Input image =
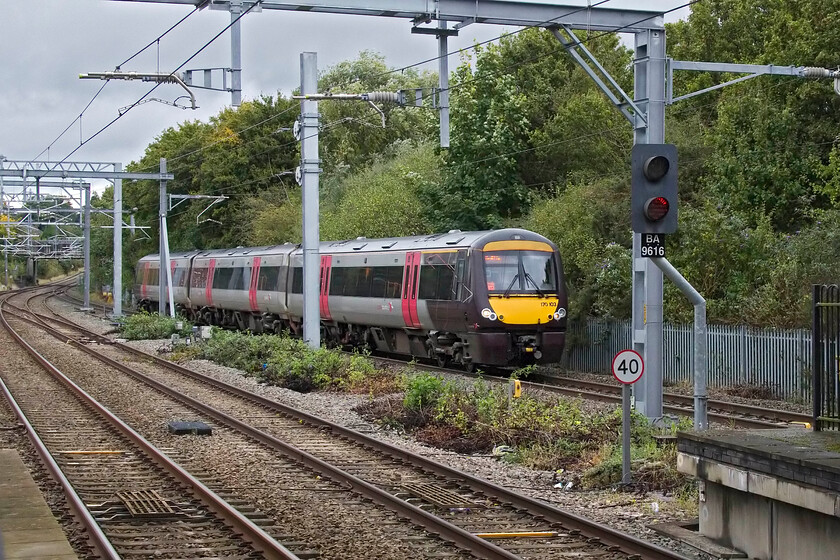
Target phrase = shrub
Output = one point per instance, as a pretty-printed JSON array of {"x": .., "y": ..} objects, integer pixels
[
  {"x": 241, "y": 350},
  {"x": 145, "y": 326},
  {"x": 423, "y": 392}
]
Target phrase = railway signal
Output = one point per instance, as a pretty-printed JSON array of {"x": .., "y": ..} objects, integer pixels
[{"x": 653, "y": 201}]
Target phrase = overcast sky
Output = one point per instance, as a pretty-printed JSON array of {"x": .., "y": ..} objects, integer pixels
[{"x": 46, "y": 44}]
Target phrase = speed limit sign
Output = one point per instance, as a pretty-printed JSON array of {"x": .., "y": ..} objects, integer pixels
[{"x": 628, "y": 366}]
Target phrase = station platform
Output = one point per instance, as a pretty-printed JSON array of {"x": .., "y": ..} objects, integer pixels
[
  {"x": 771, "y": 494},
  {"x": 28, "y": 529}
]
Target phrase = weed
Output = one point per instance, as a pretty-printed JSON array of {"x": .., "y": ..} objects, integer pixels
[
  {"x": 423, "y": 392},
  {"x": 148, "y": 326},
  {"x": 184, "y": 352},
  {"x": 751, "y": 391}
]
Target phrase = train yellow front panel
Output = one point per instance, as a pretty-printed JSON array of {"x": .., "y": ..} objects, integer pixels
[{"x": 524, "y": 309}]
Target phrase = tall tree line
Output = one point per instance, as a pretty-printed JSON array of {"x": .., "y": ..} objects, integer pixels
[{"x": 535, "y": 144}]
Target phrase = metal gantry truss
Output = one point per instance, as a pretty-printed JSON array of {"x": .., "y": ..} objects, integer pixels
[
  {"x": 28, "y": 171},
  {"x": 30, "y": 204}
]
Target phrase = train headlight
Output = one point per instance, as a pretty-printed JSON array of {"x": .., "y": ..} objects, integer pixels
[
  {"x": 560, "y": 313},
  {"x": 487, "y": 313}
]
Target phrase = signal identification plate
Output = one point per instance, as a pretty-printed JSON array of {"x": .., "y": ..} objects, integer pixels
[{"x": 653, "y": 245}]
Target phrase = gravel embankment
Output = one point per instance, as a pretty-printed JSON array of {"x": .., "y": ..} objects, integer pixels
[{"x": 628, "y": 512}]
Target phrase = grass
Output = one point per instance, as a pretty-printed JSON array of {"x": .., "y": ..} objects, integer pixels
[{"x": 146, "y": 326}]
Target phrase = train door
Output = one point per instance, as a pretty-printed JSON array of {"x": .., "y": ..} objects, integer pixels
[
  {"x": 172, "y": 266},
  {"x": 144, "y": 284},
  {"x": 208, "y": 290},
  {"x": 326, "y": 273},
  {"x": 411, "y": 278},
  {"x": 252, "y": 289}
]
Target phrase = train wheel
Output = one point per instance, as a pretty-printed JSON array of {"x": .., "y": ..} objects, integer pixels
[
  {"x": 458, "y": 358},
  {"x": 442, "y": 360}
]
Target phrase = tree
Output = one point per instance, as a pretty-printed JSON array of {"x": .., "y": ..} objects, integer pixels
[{"x": 526, "y": 119}]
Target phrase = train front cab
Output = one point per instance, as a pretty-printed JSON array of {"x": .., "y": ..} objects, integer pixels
[{"x": 520, "y": 302}]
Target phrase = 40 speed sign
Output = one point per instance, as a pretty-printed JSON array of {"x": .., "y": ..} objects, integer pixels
[{"x": 628, "y": 366}]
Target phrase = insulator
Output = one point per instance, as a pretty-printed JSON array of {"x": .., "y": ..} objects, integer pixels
[
  {"x": 383, "y": 96},
  {"x": 814, "y": 72}
]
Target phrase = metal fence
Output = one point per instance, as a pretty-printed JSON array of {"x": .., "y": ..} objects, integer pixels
[
  {"x": 826, "y": 356},
  {"x": 778, "y": 359}
]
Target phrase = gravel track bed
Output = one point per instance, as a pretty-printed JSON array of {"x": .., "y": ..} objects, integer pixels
[
  {"x": 715, "y": 393},
  {"x": 628, "y": 512},
  {"x": 67, "y": 425},
  {"x": 13, "y": 436},
  {"x": 338, "y": 527}
]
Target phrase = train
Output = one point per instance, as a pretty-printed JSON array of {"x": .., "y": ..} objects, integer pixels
[{"x": 493, "y": 298}]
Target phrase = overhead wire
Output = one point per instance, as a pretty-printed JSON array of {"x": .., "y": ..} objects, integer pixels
[
  {"x": 519, "y": 63},
  {"x": 535, "y": 57},
  {"x": 95, "y": 95},
  {"x": 140, "y": 100}
]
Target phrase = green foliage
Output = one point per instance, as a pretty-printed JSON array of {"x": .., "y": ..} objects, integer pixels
[
  {"x": 382, "y": 200},
  {"x": 291, "y": 363},
  {"x": 423, "y": 392},
  {"x": 535, "y": 144},
  {"x": 145, "y": 326},
  {"x": 242, "y": 350},
  {"x": 525, "y": 116}
]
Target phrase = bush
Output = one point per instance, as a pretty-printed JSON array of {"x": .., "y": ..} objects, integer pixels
[
  {"x": 146, "y": 326},
  {"x": 241, "y": 350},
  {"x": 423, "y": 392},
  {"x": 291, "y": 363}
]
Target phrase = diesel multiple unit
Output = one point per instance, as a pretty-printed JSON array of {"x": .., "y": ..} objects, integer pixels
[{"x": 492, "y": 297}]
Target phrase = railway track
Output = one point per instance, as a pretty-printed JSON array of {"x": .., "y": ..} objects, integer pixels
[
  {"x": 483, "y": 519},
  {"x": 722, "y": 412},
  {"x": 129, "y": 497},
  {"x": 771, "y": 417}
]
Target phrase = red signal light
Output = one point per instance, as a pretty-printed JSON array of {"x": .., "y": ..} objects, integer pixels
[{"x": 657, "y": 208}]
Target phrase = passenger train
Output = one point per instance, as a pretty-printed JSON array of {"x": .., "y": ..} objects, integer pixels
[{"x": 470, "y": 298}]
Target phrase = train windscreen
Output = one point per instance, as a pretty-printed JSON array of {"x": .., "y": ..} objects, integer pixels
[{"x": 520, "y": 272}]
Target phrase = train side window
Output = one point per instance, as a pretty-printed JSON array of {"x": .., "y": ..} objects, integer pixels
[
  {"x": 337, "y": 281},
  {"x": 445, "y": 286},
  {"x": 363, "y": 286},
  {"x": 237, "y": 278},
  {"x": 267, "y": 278},
  {"x": 393, "y": 280},
  {"x": 282, "y": 278},
  {"x": 297, "y": 280},
  {"x": 199, "y": 278},
  {"x": 378, "y": 284},
  {"x": 221, "y": 278},
  {"x": 461, "y": 289},
  {"x": 154, "y": 277},
  {"x": 138, "y": 275},
  {"x": 428, "y": 282}
]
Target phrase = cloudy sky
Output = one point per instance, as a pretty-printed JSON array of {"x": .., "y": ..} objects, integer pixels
[{"x": 46, "y": 44}]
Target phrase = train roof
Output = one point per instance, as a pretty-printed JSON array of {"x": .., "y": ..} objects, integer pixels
[
  {"x": 452, "y": 240},
  {"x": 284, "y": 249},
  {"x": 179, "y": 255}
]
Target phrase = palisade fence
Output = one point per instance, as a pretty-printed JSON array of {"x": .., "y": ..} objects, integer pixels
[{"x": 779, "y": 359}]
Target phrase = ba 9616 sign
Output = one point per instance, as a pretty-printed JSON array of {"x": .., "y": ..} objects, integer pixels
[{"x": 653, "y": 245}]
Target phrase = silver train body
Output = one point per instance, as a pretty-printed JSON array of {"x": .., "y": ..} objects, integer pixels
[{"x": 493, "y": 297}]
